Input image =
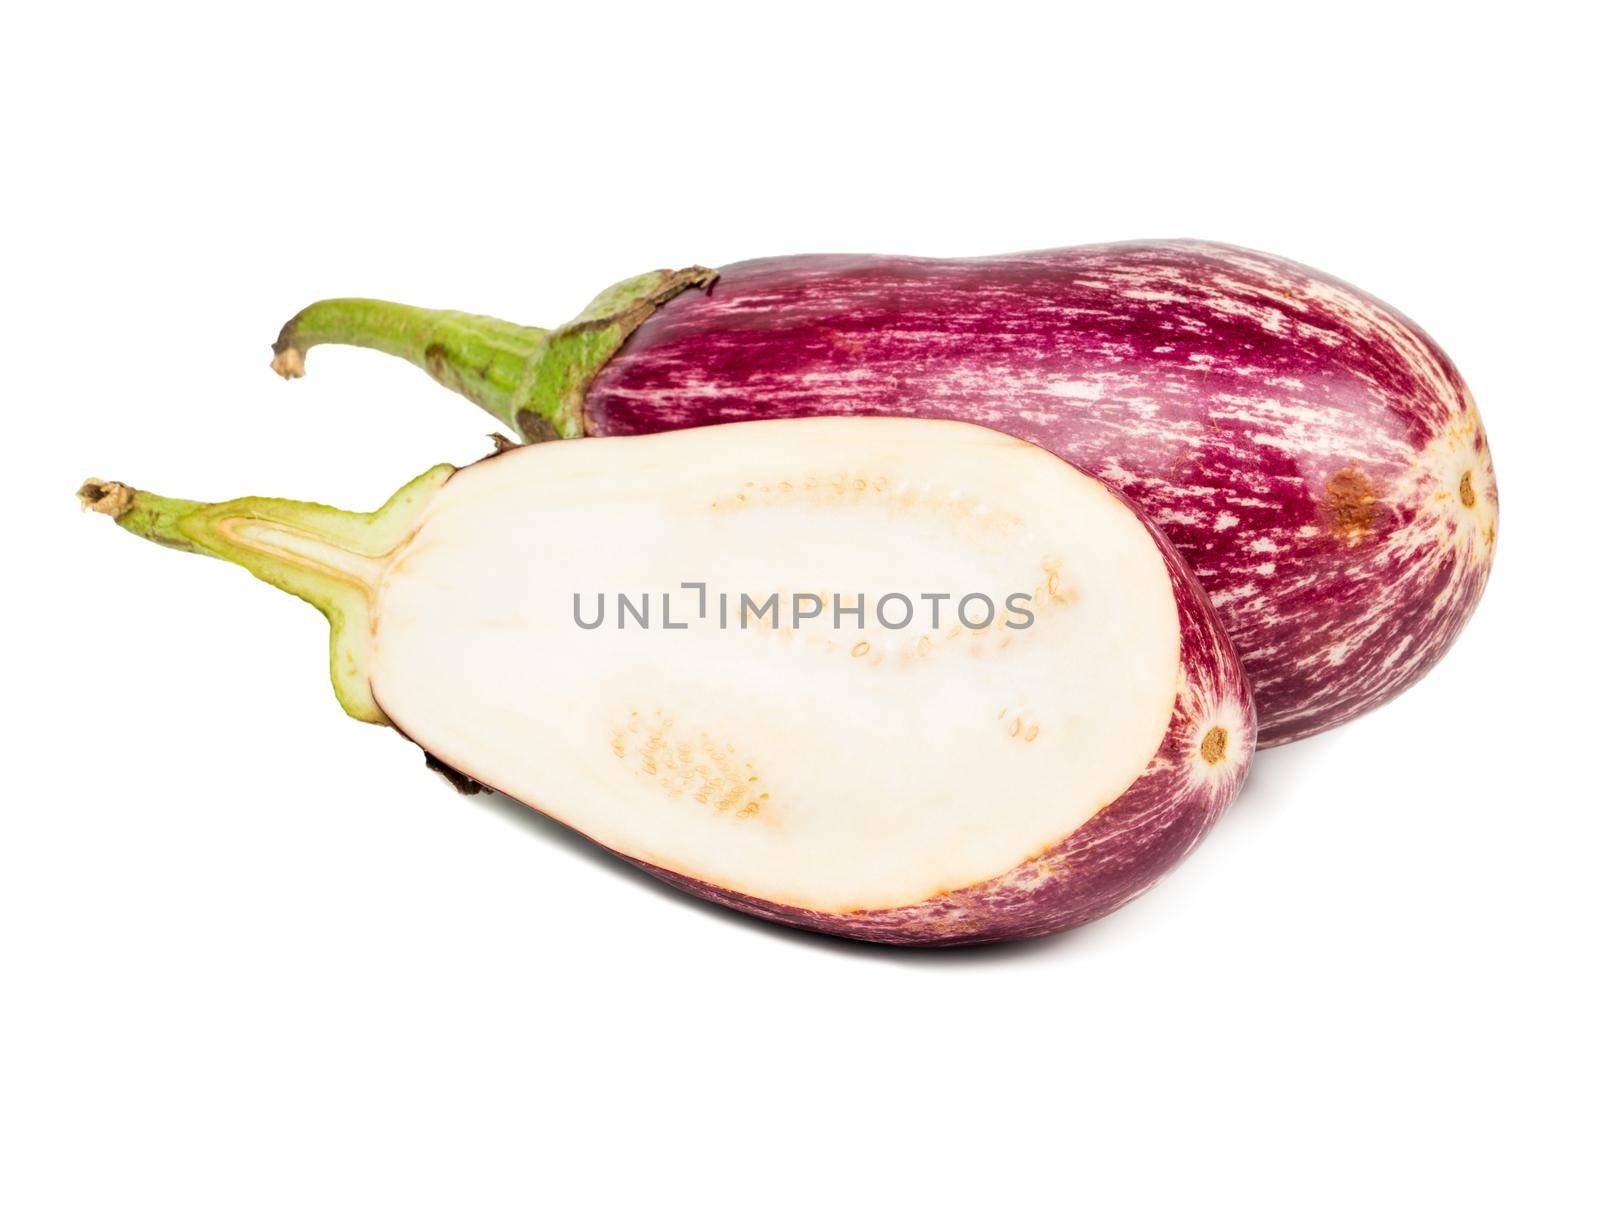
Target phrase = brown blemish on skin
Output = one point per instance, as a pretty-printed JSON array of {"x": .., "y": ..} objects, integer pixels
[
  {"x": 1351, "y": 502},
  {"x": 434, "y": 359},
  {"x": 1214, "y": 745},
  {"x": 850, "y": 346},
  {"x": 458, "y": 375},
  {"x": 1469, "y": 498}
]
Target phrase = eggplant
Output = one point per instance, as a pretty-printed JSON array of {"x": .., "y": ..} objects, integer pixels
[
  {"x": 912, "y": 682},
  {"x": 1315, "y": 457}
]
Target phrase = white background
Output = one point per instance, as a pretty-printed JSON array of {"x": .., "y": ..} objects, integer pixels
[{"x": 253, "y": 956}]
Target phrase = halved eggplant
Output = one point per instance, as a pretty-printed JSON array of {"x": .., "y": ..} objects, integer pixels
[{"x": 910, "y": 681}]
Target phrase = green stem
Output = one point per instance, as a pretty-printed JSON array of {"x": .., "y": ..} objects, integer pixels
[
  {"x": 482, "y": 358},
  {"x": 331, "y": 558},
  {"x": 532, "y": 380}
]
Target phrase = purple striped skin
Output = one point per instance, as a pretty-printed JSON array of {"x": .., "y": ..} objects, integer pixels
[
  {"x": 1313, "y": 454},
  {"x": 1118, "y": 853}
]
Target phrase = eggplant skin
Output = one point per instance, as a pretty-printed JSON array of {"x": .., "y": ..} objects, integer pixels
[
  {"x": 1114, "y": 856},
  {"x": 1311, "y": 452}
]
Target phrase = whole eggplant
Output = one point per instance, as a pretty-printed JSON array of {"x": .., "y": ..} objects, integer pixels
[{"x": 1312, "y": 453}]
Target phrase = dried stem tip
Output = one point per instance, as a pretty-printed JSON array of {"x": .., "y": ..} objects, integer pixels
[
  {"x": 290, "y": 363},
  {"x": 106, "y": 496}
]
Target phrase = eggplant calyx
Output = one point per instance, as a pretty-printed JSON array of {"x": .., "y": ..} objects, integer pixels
[{"x": 549, "y": 401}]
